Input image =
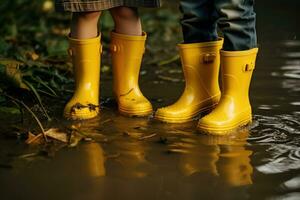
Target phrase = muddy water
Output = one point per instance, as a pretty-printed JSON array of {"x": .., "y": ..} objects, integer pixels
[{"x": 146, "y": 159}]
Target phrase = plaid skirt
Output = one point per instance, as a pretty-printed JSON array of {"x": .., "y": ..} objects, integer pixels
[{"x": 97, "y": 5}]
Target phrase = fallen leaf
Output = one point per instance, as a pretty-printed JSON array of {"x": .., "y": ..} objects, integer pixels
[
  {"x": 32, "y": 55},
  {"x": 34, "y": 139},
  {"x": 57, "y": 134}
]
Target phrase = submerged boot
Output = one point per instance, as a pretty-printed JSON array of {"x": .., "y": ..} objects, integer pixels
[
  {"x": 86, "y": 62},
  {"x": 234, "y": 109},
  {"x": 127, "y": 52},
  {"x": 201, "y": 63}
]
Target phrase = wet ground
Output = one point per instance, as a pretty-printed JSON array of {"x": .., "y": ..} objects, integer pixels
[{"x": 139, "y": 158}]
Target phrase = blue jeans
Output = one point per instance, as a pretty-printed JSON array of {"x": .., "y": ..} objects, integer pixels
[{"x": 234, "y": 18}]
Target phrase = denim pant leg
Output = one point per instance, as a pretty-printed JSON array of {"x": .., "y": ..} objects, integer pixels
[
  {"x": 199, "y": 22},
  {"x": 237, "y": 22}
]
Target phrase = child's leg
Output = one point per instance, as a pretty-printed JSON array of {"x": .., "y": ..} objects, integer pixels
[
  {"x": 199, "y": 22},
  {"x": 127, "y": 49},
  {"x": 84, "y": 25},
  {"x": 85, "y": 49},
  {"x": 126, "y": 20},
  {"x": 237, "y": 22},
  {"x": 200, "y": 59}
]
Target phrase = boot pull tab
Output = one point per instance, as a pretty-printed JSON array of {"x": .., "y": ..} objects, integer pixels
[
  {"x": 209, "y": 57},
  {"x": 101, "y": 49},
  {"x": 115, "y": 48},
  {"x": 249, "y": 67}
]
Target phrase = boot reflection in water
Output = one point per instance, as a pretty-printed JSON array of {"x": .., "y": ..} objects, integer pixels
[
  {"x": 236, "y": 21},
  {"x": 224, "y": 157},
  {"x": 94, "y": 159},
  {"x": 131, "y": 160},
  {"x": 234, "y": 165},
  {"x": 86, "y": 161},
  {"x": 128, "y": 45},
  {"x": 200, "y": 159},
  {"x": 90, "y": 159}
]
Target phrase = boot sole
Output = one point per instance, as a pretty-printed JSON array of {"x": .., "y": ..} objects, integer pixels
[
  {"x": 178, "y": 120},
  {"x": 81, "y": 116},
  {"x": 219, "y": 131},
  {"x": 136, "y": 113}
]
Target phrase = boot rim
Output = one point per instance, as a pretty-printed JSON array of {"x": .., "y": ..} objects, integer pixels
[
  {"x": 239, "y": 53},
  {"x": 218, "y": 42},
  {"x": 129, "y": 37},
  {"x": 77, "y": 41}
]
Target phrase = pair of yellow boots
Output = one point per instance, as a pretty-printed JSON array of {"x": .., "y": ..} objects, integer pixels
[
  {"x": 228, "y": 109},
  {"x": 127, "y": 52},
  {"x": 201, "y": 63}
]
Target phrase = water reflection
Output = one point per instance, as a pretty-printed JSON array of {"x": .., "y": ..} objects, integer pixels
[
  {"x": 176, "y": 159},
  {"x": 71, "y": 174},
  {"x": 85, "y": 162},
  {"x": 93, "y": 158},
  {"x": 224, "y": 157},
  {"x": 292, "y": 184},
  {"x": 291, "y": 43},
  {"x": 130, "y": 160},
  {"x": 290, "y": 67}
]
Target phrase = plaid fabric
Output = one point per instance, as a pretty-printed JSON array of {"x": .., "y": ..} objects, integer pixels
[{"x": 96, "y": 5}]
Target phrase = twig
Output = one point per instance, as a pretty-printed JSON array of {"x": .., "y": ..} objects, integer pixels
[
  {"x": 170, "y": 60},
  {"x": 30, "y": 111},
  {"x": 105, "y": 121},
  {"x": 38, "y": 98},
  {"x": 167, "y": 78},
  {"x": 148, "y": 136}
]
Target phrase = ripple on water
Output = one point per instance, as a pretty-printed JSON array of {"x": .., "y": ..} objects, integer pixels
[
  {"x": 291, "y": 43},
  {"x": 268, "y": 107},
  {"x": 291, "y": 71},
  {"x": 295, "y": 103},
  {"x": 289, "y": 196},
  {"x": 292, "y": 85},
  {"x": 281, "y": 135},
  {"x": 292, "y": 184}
]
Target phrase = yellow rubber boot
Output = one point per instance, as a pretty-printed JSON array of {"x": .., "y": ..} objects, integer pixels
[
  {"x": 234, "y": 109},
  {"x": 127, "y": 52},
  {"x": 200, "y": 63},
  {"x": 86, "y": 62}
]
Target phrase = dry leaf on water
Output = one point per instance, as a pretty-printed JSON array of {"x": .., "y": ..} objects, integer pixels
[
  {"x": 57, "y": 134},
  {"x": 53, "y": 133},
  {"x": 34, "y": 139}
]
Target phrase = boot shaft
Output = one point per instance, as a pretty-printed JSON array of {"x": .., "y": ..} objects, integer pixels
[
  {"x": 85, "y": 55},
  {"x": 201, "y": 64},
  {"x": 85, "y": 49},
  {"x": 127, "y": 53},
  {"x": 236, "y": 71}
]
